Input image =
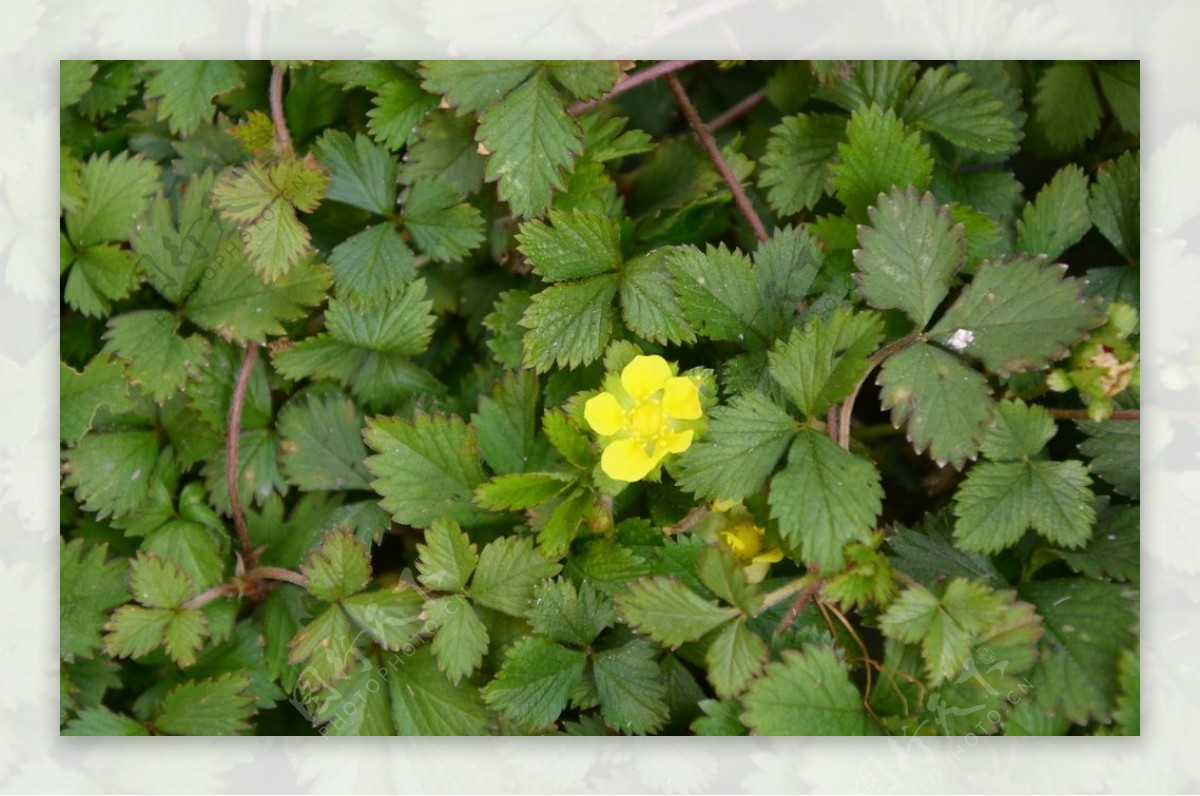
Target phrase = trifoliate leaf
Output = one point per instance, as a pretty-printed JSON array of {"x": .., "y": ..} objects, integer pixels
[
  {"x": 339, "y": 568},
  {"x": 186, "y": 89},
  {"x": 806, "y": 693},
  {"x": 99, "y": 720},
  {"x": 1115, "y": 203},
  {"x": 648, "y": 304},
  {"x": 572, "y": 245},
  {"x": 133, "y": 631},
  {"x": 461, "y": 639},
  {"x": 1018, "y": 432},
  {"x": 535, "y": 681},
  {"x": 909, "y": 254},
  {"x": 361, "y": 172},
  {"x": 221, "y": 706},
  {"x": 399, "y": 106},
  {"x": 399, "y": 323},
  {"x": 425, "y": 470},
  {"x": 947, "y": 102},
  {"x": 1087, "y": 624},
  {"x": 156, "y": 358},
  {"x": 876, "y": 157},
  {"x": 569, "y": 324},
  {"x": 391, "y": 617},
  {"x": 1017, "y": 314},
  {"x": 442, "y": 225},
  {"x": 868, "y": 579},
  {"x": 1066, "y": 106},
  {"x": 116, "y": 192},
  {"x": 508, "y": 570},
  {"x": 1121, "y": 83},
  {"x": 82, "y": 394},
  {"x": 734, "y": 658},
  {"x": 425, "y": 702},
  {"x": 824, "y": 498},
  {"x": 574, "y": 617},
  {"x": 89, "y": 587},
  {"x": 822, "y": 363},
  {"x": 445, "y": 150},
  {"x": 1114, "y": 450},
  {"x": 630, "y": 686},
  {"x": 321, "y": 443},
  {"x": 998, "y": 502},
  {"x": 1058, "y": 218},
  {"x": 669, "y": 612},
  {"x": 717, "y": 291},
  {"x": 447, "y": 558},
  {"x": 192, "y": 547},
  {"x": 184, "y": 636},
  {"x": 944, "y": 404},
  {"x": 110, "y": 473},
  {"x": 795, "y": 168},
  {"x": 520, "y": 491},
  {"x": 100, "y": 275},
  {"x": 375, "y": 261}
]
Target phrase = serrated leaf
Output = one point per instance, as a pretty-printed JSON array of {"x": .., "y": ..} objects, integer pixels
[
  {"x": 586, "y": 79},
  {"x": 258, "y": 470},
  {"x": 569, "y": 324},
  {"x": 472, "y": 86},
  {"x": 218, "y": 706},
  {"x": 630, "y": 686},
  {"x": 929, "y": 555},
  {"x": 568, "y": 439},
  {"x": 239, "y": 306},
  {"x": 116, "y": 192},
  {"x": 100, "y": 275},
  {"x": 156, "y": 358},
  {"x": 1087, "y": 625},
  {"x": 186, "y": 90},
  {"x": 1115, "y": 203},
  {"x": 944, "y": 404},
  {"x": 442, "y": 224},
  {"x": 74, "y": 79},
  {"x": 1018, "y": 432},
  {"x": 326, "y": 649},
  {"x": 724, "y": 578},
  {"x": 110, "y": 472},
  {"x": 876, "y": 157},
  {"x": 1115, "y": 453},
  {"x": 445, "y": 149},
  {"x": 184, "y": 636},
  {"x": 946, "y": 102},
  {"x": 734, "y": 658},
  {"x": 508, "y": 569},
  {"x": 562, "y": 613},
  {"x": 1017, "y": 314},
  {"x": 648, "y": 303},
  {"x": 720, "y": 718},
  {"x": 81, "y": 394},
  {"x": 520, "y": 491},
  {"x": 1129, "y": 708},
  {"x": 399, "y": 106},
  {"x": 734, "y": 458},
  {"x": 862, "y": 83},
  {"x": 424, "y": 702},
  {"x": 909, "y": 254},
  {"x": 822, "y": 363},
  {"x": 399, "y": 323},
  {"x": 669, "y": 612},
  {"x": 391, "y": 617},
  {"x": 824, "y": 498},
  {"x": 795, "y": 168},
  {"x": 1058, "y": 217},
  {"x": 1066, "y": 106},
  {"x": 1115, "y": 549},
  {"x": 447, "y": 558},
  {"x": 998, "y": 502},
  {"x": 461, "y": 639},
  {"x": 99, "y": 720},
  {"x": 563, "y": 523},
  {"x": 373, "y": 262},
  {"x": 339, "y": 568},
  {"x": 425, "y": 470},
  {"x": 717, "y": 291},
  {"x": 283, "y": 612},
  {"x": 507, "y": 426},
  {"x": 321, "y": 444},
  {"x": 1121, "y": 83},
  {"x": 192, "y": 547},
  {"x": 535, "y": 681},
  {"x": 806, "y": 693},
  {"x": 159, "y": 582},
  {"x": 89, "y": 587},
  {"x": 786, "y": 265},
  {"x": 359, "y": 706},
  {"x": 361, "y": 173},
  {"x": 573, "y": 245},
  {"x": 133, "y": 631}
]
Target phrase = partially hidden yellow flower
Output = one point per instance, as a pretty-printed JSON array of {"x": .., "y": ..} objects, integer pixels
[
  {"x": 736, "y": 531},
  {"x": 643, "y": 416}
]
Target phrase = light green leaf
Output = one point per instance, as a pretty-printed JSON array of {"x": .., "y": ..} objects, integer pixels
[
  {"x": 648, "y": 303},
  {"x": 81, "y": 394},
  {"x": 116, "y": 192},
  {"x": 192, "y": 547},
  {"x": 472, "y": 85},
  {"x": 822, "y": 363},
  {"x": 461, "y": 639},
  {"x": 824, "y": 498},
  {"x": 669, "y": 612},
  {"x": 876, "y": 157},
  {"x": 630, "y": 686},
  {"x": 134, "y": 631},
  {"x": 520, "y": 491},
  {"x": 1058, "y": 218},
  {"x": 445, "y": 150},
  {"x": 373, "y": 262},
  {"x": 946, "y": 102},
  {"x": 447, "y": 558},
  {"x": 220, "y": 706},
  {"x": 1115, "y": 203},
  {"x": 535, "y": 681},
  {"x": 806, "y": 693},
  {"x": 239, "y": 306},
  {"x": 338, "y": 568},
  {"x": 424, "y": 702},
  {"x": 723, "y": 577},
  {"x": 326, "y": 648},
  {"x": 1018, "y": 432},
  {"x": 998, "y": 502},
  {"x": 563, "y": 524},
  {"x": 507, "y": 426},
  {"x": 156, "y": 358},
  {"x": 100, "y": 275},
  {"x": 360, "y": 706},
  {"x": 110, "y": 473},
  {"x": 74, "y": 79},
  {"x": 717, "y": 291},
  {"x": 442, "y": 225},
  {"x": 1066, "y": 106},
  {"x": 569, "y": 324},
  {"x": 796, "y": 164},
  {"x": 397, "y": 109},
  {"x": 909, "y": 254},
  {"x": 735, "y": 657},
  {"x": 585, "y": 79},
  {"x": 321, "y": 444},
  {"x": 186, "y": 90},
  {"x": 361, "y": 172},
  {"x": 573, "y": 617},
  {"x": 89, "y": 587},
  {"x": 100, "y": 720},
  {"x": 184, "y": 636},
  {"x": 399, "y": 323},
  {"x": 573, "y": 245},
  {"x": 391, "y": 617},
  {"x": 508, "y": 570}
]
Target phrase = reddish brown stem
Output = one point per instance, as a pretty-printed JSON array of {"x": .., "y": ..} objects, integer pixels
[
  {"x": 737, "y": 111},
  {"x": 1081, "y": 414},
  {"x": 232, "y": 440},
  {"x": 801, "y": 601},
  {"x": 278, "y": 573},
  {"x": 714, "y": 154},
  {"x": 633, "y": 81},
  {"x": 691, "y": 520},
  {"x": 286, "y": 149}
]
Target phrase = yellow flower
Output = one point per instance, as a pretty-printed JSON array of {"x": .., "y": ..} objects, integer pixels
[
  {"x": 646, "y": 414},
  {"x": 736, "y": 530}
]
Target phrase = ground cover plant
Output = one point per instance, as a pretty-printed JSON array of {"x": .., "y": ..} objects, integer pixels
[{"x": 564, "y": 397}]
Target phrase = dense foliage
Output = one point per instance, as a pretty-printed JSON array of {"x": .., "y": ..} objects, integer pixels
[{"x": 461, "y": 398}]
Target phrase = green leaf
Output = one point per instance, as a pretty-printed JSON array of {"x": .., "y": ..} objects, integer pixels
[
  {"x": 876, "y": 157},
  {"x": 929, "y": 555},
  {"x": 192, "y": 547},
  {"x": 159, "y": 582},
  {"x": 631, "y": 688},
  {"x": 507, "y": 426},
  {"x": 533, "y": 144},
  {"x": 998, "y": 502},
  {"x": 239, "y": 306},
  {"x": 795, "y": 168},
  {"x": 425, "y": 470},
  {"x": 445, "y": 150},
  {"x": 824, "y": 498},
  {"x": 1114, "y": 450},
  {"x": 535, "y": 681},
  {"x": 585, "y": 79},
  {"x": 1115, "y": 203},
  {"x": 89, "y": 587},
  {"x": 447, "y": 558},
  {"x": 909, "y": 254},
  {"x": 100, "y": 720},
  {"x": 472, "y": 86},
  {"x": 359, "y": 706},
  {"x": 461, "y": 639},
  {"x": 391, "y": 617},
  {"x": 508, "y": 570},
  {"x": 283, "y": 611},
  {"x": 1066, "y": 106},
  {"x": 399, "y": 106},
  {"x": 81, "y": 394},
  {"x": 134, "y": 631},
  {"x": 806, "y": 693},
  {"x": 373, "y": 262},
  {"x": 74, "y": 79},
  {"x": 1017, "y": 314},
  {"x": 110, "y": 473},
  {"x": 258, "y": 470},
  {"x": 1018, "y": 432},
  {"x": 735, "y": 457},
  {"x": 442, "y": 225},
  {"x": 669, "y": 612},
  {"x": 720, "y": 718},
  {"x": 156, "y": 358},
  {"x": 1129, "y": 708},
  {"x": 184, "y": 636},
  {"x": 186, "y": 90},
  {"x": 946, "y": 102},
  {"x": 573, "y": 245},
  {"x": 717, "y": 571},
  {"x": 321, "y": 444},
  {"x": 786, "y": 264},
  {"x": 361, "y": 172},
  {"x": 569, "y": 324},
  {"x": 822, "y": 363},
  {"x": 1121, "y": 83},
  {"x": 116, "y": 192},
  {"x": 735, "y": 657},
  {"x": 424, "y": 702},
  {"x": 875, "y": 82},
  {"x": 945, "y": 627},
  {"x": 339, "y": 568},
  {"x": 100, "y": 275},
  {"x": 1058, "y": 218},
  {"x": 1115, "y": 549},
  {"x": 520, "y": 491},
  {"x": 326, "y": 647},
  {"x": 573, "y": 617},
  {"x": 219, "y": 706},
  {"x": 563, "y": 523},
  {"x": 944, "y": 404},
  {"x": 1087, "y": 624},
  {"x": 717, "y": 291}
]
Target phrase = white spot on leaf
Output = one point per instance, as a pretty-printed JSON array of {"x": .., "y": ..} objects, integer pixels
[{"x": 961, "y": 339}]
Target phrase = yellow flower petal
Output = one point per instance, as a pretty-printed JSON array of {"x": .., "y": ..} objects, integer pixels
[
  {"x": 604, "y": 414},
  {"x": 627, "y": 460},
  {"x": 675, "y": 441},
  {"x": 645, "y": 375},
  {"x": 769, "y": 557},
  {"x": 724, "y": 505},
  {"x": 681, "y": 399}
]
